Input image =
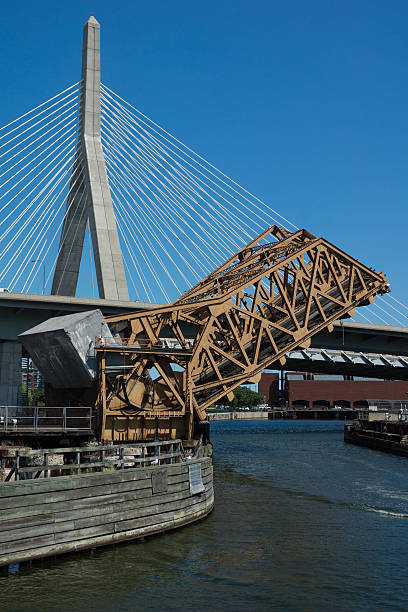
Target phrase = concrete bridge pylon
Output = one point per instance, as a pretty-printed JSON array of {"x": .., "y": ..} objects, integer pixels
[{"x": 91, "y": 199}]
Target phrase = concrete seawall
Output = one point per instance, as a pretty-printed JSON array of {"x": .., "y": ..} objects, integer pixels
[
  {"x": 317, "y": 415},
  {"x": 237, "y": 416}
]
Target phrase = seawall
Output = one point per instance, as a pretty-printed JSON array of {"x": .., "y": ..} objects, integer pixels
[{"x": 51, "y": 516}]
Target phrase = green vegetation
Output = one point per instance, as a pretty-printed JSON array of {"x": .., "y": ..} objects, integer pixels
[
  {"x": 36, "y": 397},
  {"x": 244, "y": 397}
]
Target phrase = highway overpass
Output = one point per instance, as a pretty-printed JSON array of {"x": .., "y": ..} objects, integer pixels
[{"x": 19, "y": 312}]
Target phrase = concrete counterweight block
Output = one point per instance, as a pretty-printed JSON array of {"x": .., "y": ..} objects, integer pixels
[{"x": 63, "y": 348}]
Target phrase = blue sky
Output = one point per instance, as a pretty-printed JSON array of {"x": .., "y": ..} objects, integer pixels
[{"x": 304, "y": 103}]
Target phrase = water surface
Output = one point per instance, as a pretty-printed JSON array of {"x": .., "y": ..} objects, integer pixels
[{"x": 302, "y": 522}]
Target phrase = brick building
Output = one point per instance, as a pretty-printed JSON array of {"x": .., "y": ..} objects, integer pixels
[{"x": 305, "y": 390}]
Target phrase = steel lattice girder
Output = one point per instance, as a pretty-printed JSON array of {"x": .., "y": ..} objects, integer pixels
[{"x": 267, "y": 300}]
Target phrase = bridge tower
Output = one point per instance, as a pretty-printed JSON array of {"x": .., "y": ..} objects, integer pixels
[{"x": 92, "y": 201}]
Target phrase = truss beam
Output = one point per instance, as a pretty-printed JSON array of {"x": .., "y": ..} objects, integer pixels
[{"x": 263, "y": 302}]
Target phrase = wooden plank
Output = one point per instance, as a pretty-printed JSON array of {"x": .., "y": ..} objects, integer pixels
[
  {"x": 103, "y": 518},
  {"x": 156, "y": 519},
  {"x": 24, "y": 521},
  {"x": 27, "y": 544},
  {"x": 16, "y": 540},
  {"x": 32, "y": 500},
  {"x": 109, "y": 538},
  {"x": 79, "y": 534},
  {"x": 105, "y": 496},
  {"x": 97, "y": 517},
  {"x": 92, "y": 496},
  {"x": 57, "y": 488},
  {"x": 133, "y": 513},
  {"x": 122, "y": 506},
  {"x": 32, "y": 532},
  {"x": 103, "y": 540}
]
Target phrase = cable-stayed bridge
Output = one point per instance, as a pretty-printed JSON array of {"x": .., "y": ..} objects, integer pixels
[{"x": 97, "y": 199}]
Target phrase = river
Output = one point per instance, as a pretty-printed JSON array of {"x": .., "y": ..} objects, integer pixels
[{"x": 302, "y": 522}]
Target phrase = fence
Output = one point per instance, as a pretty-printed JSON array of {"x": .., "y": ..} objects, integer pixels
[
  {"x": 29, "y": 464},
  {"x": 40, "y": 419}
]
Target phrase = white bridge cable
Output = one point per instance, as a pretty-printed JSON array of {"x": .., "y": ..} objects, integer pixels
[
  {"x": 122, "y": 224},
  {"x": 57, "y": 111},
  {"x": 33, "y": 201},
  {"x": 171, "y": 230},
  {"x": 121, "y": 189},
  {"x": 189, "y": 181},
  {"x": 74, "y": 95},
  {"x": 173, "y": 140},
  {"x": 185, "y": 212},
  {"x": 168, "y": 205},
  {"x": 170, "y": 201},
  {"x": 156, "y": 150},
  {"x": 178, "y": 186},
  {"x": 389, "y": 295},
  {"x": 155, "y": 224},
  {"x": 137, "y": 268},
  {"x": 149, "y": 250},
  {"x": 43, "y": 224},
  {"x": 31, "y": 141},
  {"x": 363, "y": 316},
  {"x": 38, "y": 156},
  {"x": 38, "y": 216},
  {"x": 388, "y": 314},
  {"x": 63, "y": 198},
  {"x": 26, "y": 210},
  {"x": 38, "y": 150},
  {"x": 404, "y": 316},
  {"x": 153, "y": 149},
  {"x": 33, "y": 215},
  {"x": 144, "y": 235},
  {"x": 35, "y": 179},
  {"x": 194, "y": 255}
]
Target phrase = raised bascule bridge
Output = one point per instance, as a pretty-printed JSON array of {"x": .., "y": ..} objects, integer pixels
[
  {"x": 191, "y": 286},
  {"x": 222, "y": 286}
]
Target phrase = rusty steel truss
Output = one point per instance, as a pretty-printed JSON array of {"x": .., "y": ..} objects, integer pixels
[{"x": 265, "y": 301}]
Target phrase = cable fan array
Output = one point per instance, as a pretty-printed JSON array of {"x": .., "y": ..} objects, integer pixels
[
  {"x": 178, "y": 216},
  {"x": 36, "y": 157}
]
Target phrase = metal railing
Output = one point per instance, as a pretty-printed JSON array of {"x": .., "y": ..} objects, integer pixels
[
  {"x": 142, "y": 343},
  {"x": 43, "y": 463},
  {"x": 39, "y": 419}
]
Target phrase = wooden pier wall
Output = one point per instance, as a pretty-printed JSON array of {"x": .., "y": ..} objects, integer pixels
[{"x": 51, "y": 516}]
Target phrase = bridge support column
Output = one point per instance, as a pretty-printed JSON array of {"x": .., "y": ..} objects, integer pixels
[
  {"x": 92, "y": 201},
  {"x": 10, "y": 373}
]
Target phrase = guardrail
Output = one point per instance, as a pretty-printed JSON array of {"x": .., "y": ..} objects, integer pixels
[
  {"x": 142, "y": 343},
  {"x": 29, "y": 464},
  {"x": 38, "y": 419}
]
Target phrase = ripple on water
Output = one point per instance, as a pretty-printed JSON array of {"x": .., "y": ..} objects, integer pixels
[{"x": 302, "y": 522}]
